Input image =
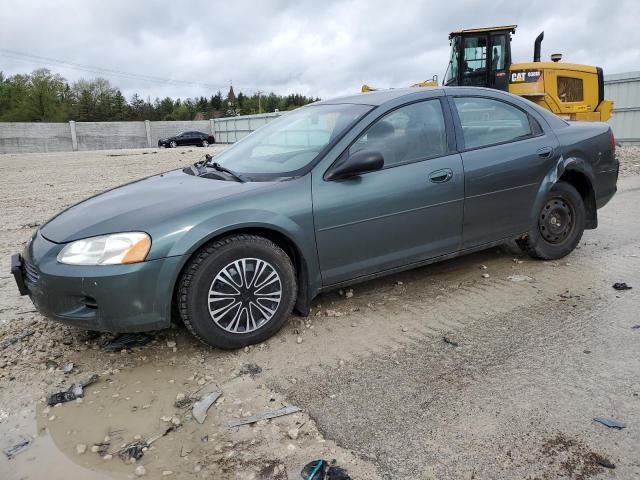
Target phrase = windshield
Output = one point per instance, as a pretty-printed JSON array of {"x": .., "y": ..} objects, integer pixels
[
  {"x": 451, "y": 75},
  {"x": 290, "y": 142}
]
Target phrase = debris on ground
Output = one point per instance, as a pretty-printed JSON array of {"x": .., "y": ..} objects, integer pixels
[
  {"x": 184, "y": 451},
  {"x": 610, "y": 422},
  {"x": 126, "y": 341},
  {"x": 263, "y": 416},
  {"x": 101, "y": 448},
  {"x": 603, "y": 461},
  {"x": 7, "y": 342},
  {"x": 19, "y": 447},
  {"x": 450, "y": 341},
  {"x": 140, "y": 471},
  {"x": 250, "y": 369},
  {"x": 323, "y": 470},
  {"x": 68, "y": 367},
  {"x": 621, "y": 286},
  {"x": 201, "y": 407},
  {"x": 74, "y": 391},
  {"x": 520, "y": 278},
  {"x": 133, "y": 450},
  {"x": 485, "y": 275},
  {"x": 635, "y": 327}
]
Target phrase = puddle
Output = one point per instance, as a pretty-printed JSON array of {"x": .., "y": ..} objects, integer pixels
[{"x": 138, "y": 401}]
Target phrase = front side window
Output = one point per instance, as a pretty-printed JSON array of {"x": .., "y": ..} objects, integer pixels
[
  {"x": 410, "y": 133},
  {"x": 292, "y": 141},
  {"x": 487, "y": 122},
  {"x": 570, "y": 89}
]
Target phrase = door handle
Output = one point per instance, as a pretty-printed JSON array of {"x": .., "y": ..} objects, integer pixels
[
  {"x": 441, "y": 176},
  {"x": 545, "y": 152}
]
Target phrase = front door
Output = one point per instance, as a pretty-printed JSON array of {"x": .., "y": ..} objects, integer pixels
[{"x": 409, "y": 211}]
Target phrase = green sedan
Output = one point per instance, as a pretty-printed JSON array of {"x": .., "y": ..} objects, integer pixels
[{"x": 334, "y": 193}]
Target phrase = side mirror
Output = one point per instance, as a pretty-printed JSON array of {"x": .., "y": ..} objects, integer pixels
[{"x": 360, "y": 162}]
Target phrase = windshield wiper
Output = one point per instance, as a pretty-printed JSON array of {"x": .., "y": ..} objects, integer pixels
[{"x": 216, "y": 166}]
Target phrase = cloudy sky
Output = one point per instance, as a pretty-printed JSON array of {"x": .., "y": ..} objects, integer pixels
[{"x": 319, "y": 48}]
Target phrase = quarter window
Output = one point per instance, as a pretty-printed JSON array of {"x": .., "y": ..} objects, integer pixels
[
  {"x": 570, "y": 89},
  {"x": 487, "y": 122},
  {"x": 410, "y": 133}
]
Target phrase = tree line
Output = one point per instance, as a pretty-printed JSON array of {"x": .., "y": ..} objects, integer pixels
[{"x": 44, "y": 96}]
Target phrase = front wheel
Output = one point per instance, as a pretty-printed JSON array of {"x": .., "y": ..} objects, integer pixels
[
  {"x": 559, "y": 225},
  {"x": 205, "y": 143},
  {"x": 173, "y": 144},
  {"x": 237, "y": 291}
]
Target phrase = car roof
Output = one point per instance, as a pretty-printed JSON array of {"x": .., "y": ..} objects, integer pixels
[{"x": 378, "y": 97}]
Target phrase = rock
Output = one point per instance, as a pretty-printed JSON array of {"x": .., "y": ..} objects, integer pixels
[
  {"x": 299, "y": 340},
  {"x": 137, "y": 437},
  {"x": 95, "y": 449},
  {"x": 520, "y": 278},
  {"x": 108, "y": 456},
  {"x": 81, "y": 448},
  {"x": 197, "y": 468},
  {"x": 348, "y": 293},
  {"x": 405, "y": 329},
  {"x": 176, "y": 421},
  {"x": 246, "y": 349},
  {"x": 354, "y": 324},
  {"x": 180, "y": 397},
  {"x": 485, "y": 275},
  {"x": 293, "y": 433},
  {"x": 483, "y": 267},
  {"x": 171, "y": 343},
  {"x": 140, "y": 471},
  {"x": 166, "y": 473}
]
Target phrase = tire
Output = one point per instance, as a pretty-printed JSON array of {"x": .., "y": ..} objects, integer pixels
[
  {"x": 214, "y": 272},
  {"x": 173, "y": 144},
  {"x": 204, "y": 143},
  {"x": 559, "y": 224}
]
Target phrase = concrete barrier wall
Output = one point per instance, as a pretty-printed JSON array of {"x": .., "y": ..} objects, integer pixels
[
  {"x": 82, "y": 136},
  {"x": 35, "y": 137},
  {"x": 111, "y": 135}
]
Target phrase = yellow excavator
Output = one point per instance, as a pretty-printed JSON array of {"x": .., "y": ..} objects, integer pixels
[{"x": 481, "y": 57}]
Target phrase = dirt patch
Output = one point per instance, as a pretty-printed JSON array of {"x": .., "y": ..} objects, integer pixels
[{"x": 570, "y": 457}]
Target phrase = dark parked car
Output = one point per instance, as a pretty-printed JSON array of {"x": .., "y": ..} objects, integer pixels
[
  {"x": 330, "y": 194},
  {"x": 197, "y": 139}
]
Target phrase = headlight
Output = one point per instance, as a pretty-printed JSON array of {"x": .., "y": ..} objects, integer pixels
[{"x": 113, "y": 249}]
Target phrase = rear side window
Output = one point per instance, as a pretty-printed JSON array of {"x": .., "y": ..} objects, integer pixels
[
  {"x": 570, "y": 89},
  {"x": 410, "y": 133},
  {"x": 487, "y": 122}
]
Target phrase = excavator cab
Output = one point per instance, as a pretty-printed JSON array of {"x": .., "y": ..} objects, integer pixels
[{"x": 480, "y": 57}]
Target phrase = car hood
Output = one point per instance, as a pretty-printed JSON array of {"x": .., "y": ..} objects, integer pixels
[{"x": 140, "y": 205}]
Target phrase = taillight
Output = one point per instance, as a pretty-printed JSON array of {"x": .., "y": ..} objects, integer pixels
[{"x": 612, "y": 139}]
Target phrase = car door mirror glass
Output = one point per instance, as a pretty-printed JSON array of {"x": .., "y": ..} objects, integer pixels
[{"x": 364, "y": 161}]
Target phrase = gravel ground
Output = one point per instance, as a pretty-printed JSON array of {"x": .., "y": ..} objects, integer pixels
[{"x": 434, "y": 373}]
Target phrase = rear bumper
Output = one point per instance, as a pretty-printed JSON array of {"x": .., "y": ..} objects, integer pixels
[{"x": 113, "y": 298}]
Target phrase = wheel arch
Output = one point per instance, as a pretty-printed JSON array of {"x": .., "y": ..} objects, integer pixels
[
  {"x": 581, "y": 182},
  {"x": 578, "y": 173},
  {"x": 303, "y": 299}
]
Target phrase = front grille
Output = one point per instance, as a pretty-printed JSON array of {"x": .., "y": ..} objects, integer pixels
[{"x": 31, "y": 273}]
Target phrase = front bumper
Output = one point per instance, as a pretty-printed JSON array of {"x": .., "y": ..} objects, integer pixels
[{"x": 113, "y": 298}]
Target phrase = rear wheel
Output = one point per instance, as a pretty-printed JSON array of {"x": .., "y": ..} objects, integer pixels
[
  {"x": 205, "y": 143},
  {"x": 559, "y": 225},
  {"x": 237, "y": 291}
]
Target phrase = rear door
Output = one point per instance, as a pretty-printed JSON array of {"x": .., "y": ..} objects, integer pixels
[
  {"x": 506, "y": 154},
  {"x": 408, "y": 211}
]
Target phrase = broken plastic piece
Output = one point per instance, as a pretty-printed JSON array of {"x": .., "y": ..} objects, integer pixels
[
  {"x": 322, "y": 470},
  {"x": 263, "y": 416},
  {"x": 14, "y": 338},
  {"x": 610, "y": 422},
  {"x": 622, "y": 286},
  {"x": 73, "y": 392},
  {"x": 14, "y": 450},
  {"x": 250, "y": 369},
  {"x": 200, "y": 408},
  {"x": 132, "y": 450},
  {"x": 127, "y": 340}
]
